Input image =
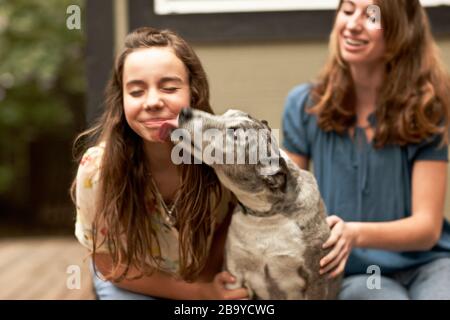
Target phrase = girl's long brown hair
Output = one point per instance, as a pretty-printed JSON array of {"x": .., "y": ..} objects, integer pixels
[
  {"x": 414, "y": 100},
  {"x": 126, "y": 201}
]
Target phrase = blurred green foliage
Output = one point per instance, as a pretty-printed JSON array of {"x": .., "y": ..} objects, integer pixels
[{"x": 42, "y": 80}]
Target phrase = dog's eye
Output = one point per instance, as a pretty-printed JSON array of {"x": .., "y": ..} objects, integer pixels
[{"x": 235, "y": 135}]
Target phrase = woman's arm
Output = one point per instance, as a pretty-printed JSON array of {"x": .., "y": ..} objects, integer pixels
[
  {"x": 301, "y": 161},
  {"x": 420, "y": 232},
  {"x": 423, "y": 229}
]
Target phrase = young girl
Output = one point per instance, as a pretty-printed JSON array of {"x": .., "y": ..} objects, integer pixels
[
  {"x": 155, "y": 229},
  {"x": 375, "y": 126}
]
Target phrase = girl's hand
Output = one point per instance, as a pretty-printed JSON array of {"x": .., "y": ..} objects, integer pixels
[
  {"x": 342, "y": 239},
  {"x": 216, "y": 290}
]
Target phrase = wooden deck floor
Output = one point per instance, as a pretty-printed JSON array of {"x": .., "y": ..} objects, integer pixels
[{"x": 37, "y": 269}]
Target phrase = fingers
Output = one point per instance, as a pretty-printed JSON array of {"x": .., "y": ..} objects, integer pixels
[
  {"x": 332, "y": 220},
  {"x": 340, "y": 269},
  {"x": 333, "y": 254},
  {"x": 237, "y": 294},
  {"x": 225, "y": 277},
  {"x": 336, "y": 233},
  {"x": 334, "y": 258}
]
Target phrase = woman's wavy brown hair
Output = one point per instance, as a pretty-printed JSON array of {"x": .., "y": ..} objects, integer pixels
[
  {"x": 414, "y": 99},
  {"x": 126, "y": 198}
]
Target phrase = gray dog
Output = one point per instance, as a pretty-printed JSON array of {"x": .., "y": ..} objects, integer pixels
[{"x": 275, "y": 238}]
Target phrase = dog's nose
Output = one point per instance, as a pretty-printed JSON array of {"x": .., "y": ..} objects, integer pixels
[{"x": 185, "y": 114}]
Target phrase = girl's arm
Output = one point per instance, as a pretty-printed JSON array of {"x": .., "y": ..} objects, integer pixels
[
  {"x": 209, "y": 285},
  {"x": 163, "y": 285},
  {"x": 420, "y": 232}
]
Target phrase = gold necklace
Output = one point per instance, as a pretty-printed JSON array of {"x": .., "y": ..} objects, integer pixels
[{"x": 171, "y": 213}]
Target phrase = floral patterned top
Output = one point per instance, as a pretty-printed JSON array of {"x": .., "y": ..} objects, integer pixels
[{"x": 86, "y": 192}]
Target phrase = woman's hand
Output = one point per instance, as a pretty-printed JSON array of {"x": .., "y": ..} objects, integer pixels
[
  {"x": 342, "y": 239},
  {"x": 216, "y": 289}
]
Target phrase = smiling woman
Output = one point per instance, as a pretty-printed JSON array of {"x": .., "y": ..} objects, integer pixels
[{"x": 375, "y": 125}]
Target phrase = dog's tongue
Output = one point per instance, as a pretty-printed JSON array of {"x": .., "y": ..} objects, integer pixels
[{"x": 166, "y": 129}]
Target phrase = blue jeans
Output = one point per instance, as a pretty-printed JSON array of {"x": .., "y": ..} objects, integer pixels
[
  {"x": 427, "y": 282},
  {"x": 106, "y": 290},
  {"x": 430, "y": 281}
]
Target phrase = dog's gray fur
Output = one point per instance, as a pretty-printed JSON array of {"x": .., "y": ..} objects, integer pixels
[{"x": 275, "y": 238}]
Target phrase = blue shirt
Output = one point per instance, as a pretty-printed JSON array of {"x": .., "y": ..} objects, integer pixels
[{"x": 361, "y": 183}]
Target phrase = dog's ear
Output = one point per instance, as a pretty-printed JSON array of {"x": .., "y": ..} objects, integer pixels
[
  {"x": 266, "y": 124},
  {"x": 274, "y": 174}
]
